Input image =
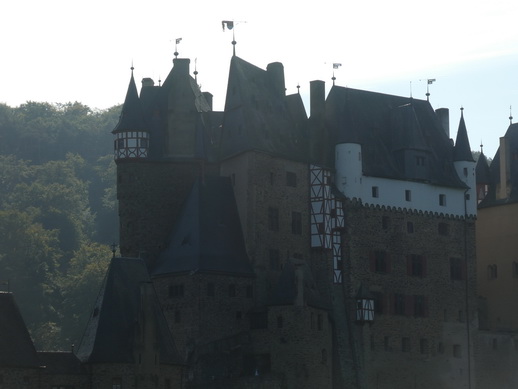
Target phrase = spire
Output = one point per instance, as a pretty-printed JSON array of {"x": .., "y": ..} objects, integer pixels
[
  {"x": 462, "y": 149},
  {"x": 510, "y": 115},
  {"x": 131, "y": 117}
]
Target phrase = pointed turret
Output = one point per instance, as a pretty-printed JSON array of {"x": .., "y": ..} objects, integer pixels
[
  {"x": 462, "y": 150},
  {"x": 483, "y": 176},
  {"x": 131, "y": 136},
  {"x": 465, "y": 165}
]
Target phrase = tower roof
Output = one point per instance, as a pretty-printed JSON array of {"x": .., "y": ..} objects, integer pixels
[
  {"x": 482, "y": 172},
  {"x": 462, "y": 150},
  {"x": 207, "y": 236},
  {"x": 127, "y": 299},
  {"x": 16, "y": 347},
  {"x": 131, "y": 117},
  {"x": 259, "y": 116}
]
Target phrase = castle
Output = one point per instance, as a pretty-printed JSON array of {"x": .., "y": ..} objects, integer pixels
[{"x": 261, "y": 248}]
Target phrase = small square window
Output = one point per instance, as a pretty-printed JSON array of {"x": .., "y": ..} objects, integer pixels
[
  {"x": 442, "y": 200},
  {"x": 375, "y": 191},
  {"x": 408, "y": 195}
]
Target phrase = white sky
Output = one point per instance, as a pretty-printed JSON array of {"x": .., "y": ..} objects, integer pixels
[{"x": 66, "y": 50}]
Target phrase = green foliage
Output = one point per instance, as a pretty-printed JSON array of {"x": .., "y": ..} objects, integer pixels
[{"x": 57, "y": 213}]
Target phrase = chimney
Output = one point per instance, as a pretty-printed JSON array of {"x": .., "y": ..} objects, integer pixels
[
  {"x": 317, "y": 97},
  {"x": 444, "y": 117},
  {"x": 504, "y": 169},
  {"x": 147, "y": 82},
  {"x": 181, "y": 65},
  {"x": 275, "y": 72}
]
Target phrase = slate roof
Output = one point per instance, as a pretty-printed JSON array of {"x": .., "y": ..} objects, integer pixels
[
  {"x": 462, "y": 149},
  {"x": 258, "y": 116},
  {"x": 131, "y": 117},
  {"x": 113, "y": 329},
  {"x": 482, "y": 171},
  {"x": 386, "y": 124},
  {"x": 16, "y": 347},
  {"x": 511, "y": 137},
  {"x": 207, "y": 236}
]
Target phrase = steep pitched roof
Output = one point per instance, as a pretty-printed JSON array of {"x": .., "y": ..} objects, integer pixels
[
  {"x": 16, "y": 347},
  {"x": 207, "y": 236},
  {"x": 258, "y": 115},
  {"x": 511, "y": 138},
  {"x": 462, "y": 149},
  {"x": 115, "y": 327},
  {"x": 384, "y": 124},
  {"x": 131, "y": 117},
  {"x": 482, "y": 171}
]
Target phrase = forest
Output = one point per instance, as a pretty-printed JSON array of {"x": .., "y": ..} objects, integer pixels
[{"x": 58, "y": 214}]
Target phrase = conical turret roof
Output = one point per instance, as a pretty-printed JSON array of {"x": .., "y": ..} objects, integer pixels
[
  {"x": 462, "y": 150},
  {"x": 131, "y": 117}
]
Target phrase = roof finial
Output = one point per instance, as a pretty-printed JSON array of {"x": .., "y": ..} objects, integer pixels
[
  {"x": 132, "y": 68},
  {"x": 195, "y": 70},
  {"x": 510, "y": 114},
  {"x": 429, "y": 82},
  {"x": 461, "y": 111},
  {"x": 298, "y": 88},
  {"x": 177, "y": 41},
  {"x": 229, "y": 24},
  {"x": 481, "y": 147}
]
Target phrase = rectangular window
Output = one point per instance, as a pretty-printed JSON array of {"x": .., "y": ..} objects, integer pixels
[
  {"x": 442, "y": 200},
  {"x": 492, "y": 272},
  {"x": 176, "y": 291},
  {"x": 378, "y": 302},
  {"x": 273, "y": 219},
  {"x": 296, "y": 223},
  {"x": 457, "y": 269},
  {"x": 515, "y": 269},
  {"x": 416, "y": 265},
  {"x": 408, "y": 195},
  {"x": 291, "y": 179},
  {"x": 375, "y": 191}
]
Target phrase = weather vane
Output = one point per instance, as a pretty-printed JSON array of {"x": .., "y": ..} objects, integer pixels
[
  {"x": 177, "y": 42},
  {"x": 229, "y": 25}
]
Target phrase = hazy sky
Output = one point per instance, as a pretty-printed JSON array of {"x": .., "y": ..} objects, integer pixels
[{"x": 66, "y": 50}]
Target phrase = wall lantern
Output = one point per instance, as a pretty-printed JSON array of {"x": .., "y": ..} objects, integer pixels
[{"x": 364, "y": 305}]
